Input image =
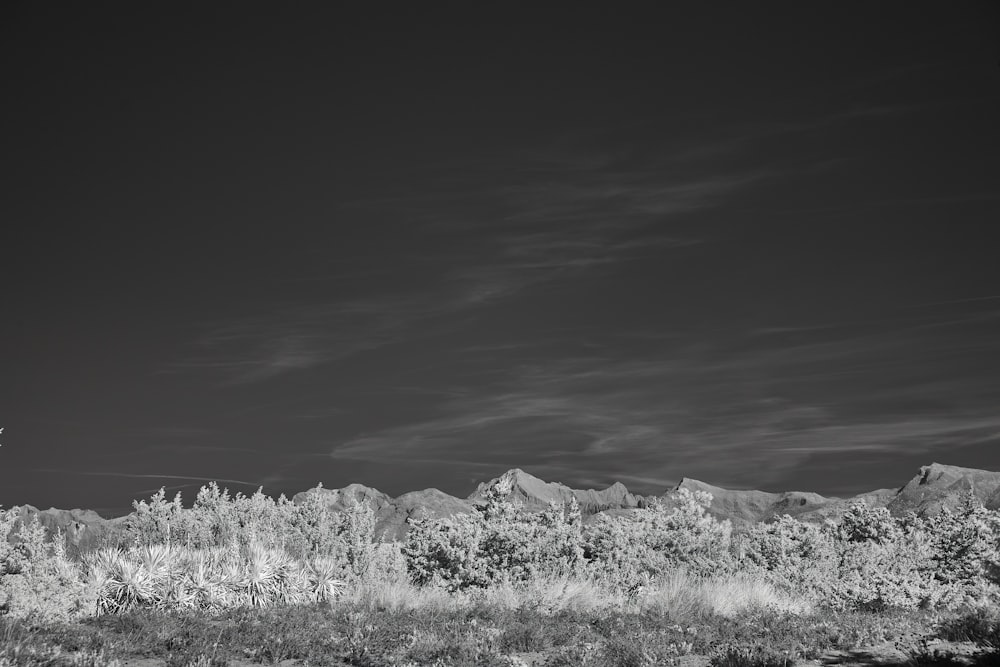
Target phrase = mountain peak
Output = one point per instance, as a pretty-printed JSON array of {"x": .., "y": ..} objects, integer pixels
[
  {"x": 940, "y": 471},
  {"x": 938, "y": 485},
  {"x": 696, "y": 485},
  {"x": 338, "y": 498},
  {"x": 524, "y": 488},
  {"x": 534, "y": 493},
  {"x": 518, "y": 474}
]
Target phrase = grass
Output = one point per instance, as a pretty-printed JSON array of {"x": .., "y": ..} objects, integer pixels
[
  {"x": 981, "y": 626},
  {"x": 399, "y": 626}
]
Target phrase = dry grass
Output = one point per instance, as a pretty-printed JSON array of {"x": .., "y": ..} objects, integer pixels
[
  {"x": 398, "y": 595},
  {"x": 677, "y": 595},
  {"x": 680, "y": 594}
]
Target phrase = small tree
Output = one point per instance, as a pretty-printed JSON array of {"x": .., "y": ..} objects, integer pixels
[
  {"x": 37, "y": 579},
  {"x": 261, "y": 519},
  {"x": 497, "y": 543},
  {"x": 795, "y": 554},
  {"x": 862, "y": 523},
  {"x": 212, "y": 521},
  {"x": 314, "y": 527},
  {"x": 654, "y": 540},
  {"x": 357, "y": 531},
  {"x": 446, "y": 552},
  {"x": 156, "y": 521},
  {"x": 964, "y": 542}
]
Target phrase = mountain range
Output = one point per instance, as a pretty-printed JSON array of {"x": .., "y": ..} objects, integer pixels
[{"x": 934, "y": 487}]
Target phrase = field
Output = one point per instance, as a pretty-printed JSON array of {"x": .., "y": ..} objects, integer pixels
[{"x": 252, "y": 580}]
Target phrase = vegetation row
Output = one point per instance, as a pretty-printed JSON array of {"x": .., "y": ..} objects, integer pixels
[{"x": 229, "y": 554}]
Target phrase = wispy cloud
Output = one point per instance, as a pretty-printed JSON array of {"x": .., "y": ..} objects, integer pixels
[
  {"x": 302, "y": 337},
  {"x": 493, "y": 242},
  {"x": 94, "y": 473},
  {"x": 743, "y": 409},
  {"x": 550, "y": 230}
]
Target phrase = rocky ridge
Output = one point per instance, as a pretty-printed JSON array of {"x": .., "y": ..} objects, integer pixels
[{"x": 935, "y": 486}]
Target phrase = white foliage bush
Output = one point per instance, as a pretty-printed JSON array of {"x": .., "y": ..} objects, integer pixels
[
  {"x": 795, "y": 555},
  {"x": 876, "y": 576},
  {"x": 496, "y": 544},
  {"x": 653, "y": 541},
  {"x": 862, "y": 523},
  {"x": 37, "y": 578},
  {"x": 218, "y": 519},
  {"x": 870, "y": 560},
  {"x": 964, "y": 543}
]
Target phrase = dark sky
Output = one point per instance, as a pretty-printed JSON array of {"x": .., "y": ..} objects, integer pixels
[{"x": 281, "y": 244}]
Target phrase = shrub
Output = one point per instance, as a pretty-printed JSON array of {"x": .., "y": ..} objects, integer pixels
[
  {"x": 8, "y": 559},
  {"x": 653, "y": 540},
  {"x": 445, "y": 552},
  {"x": 876, "y": 577},
  {"x": 348, "y": 536},
  {"x": 964, "y": 543},
  {"x": 862, "y": 523},
  {"x": 796, "y": 555},
  {"x": 156, "y": 521},
  {"x": 356, "y": 528},
  {"x": 498, "y": 543},
  {"x": 871, "y": 561},
  {"x": 219, "y": 520},
  {"x": 37, "y": 579}
]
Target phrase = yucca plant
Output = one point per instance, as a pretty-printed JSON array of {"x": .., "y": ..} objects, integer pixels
[
  {"x": 264, "y": 577},
  {"x": 204, "y": 582},
  {"x": 123, "y": 581},
  {"x": 158, "y": 559},
  {"x": 177, "y": 593},
  {"x": 323, "y": 583}
]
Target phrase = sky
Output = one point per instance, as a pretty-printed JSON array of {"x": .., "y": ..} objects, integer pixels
[{"x": 417, "y": 245}]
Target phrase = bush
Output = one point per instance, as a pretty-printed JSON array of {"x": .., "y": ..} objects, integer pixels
[
  {"x": 861, "y": 523},
  {"x": 652, "y": 541},
  {"x": 37, "y": 579},
  {"x": 498, "y": 543},
  {"x": 965, "y": 542},
  {"x": 876, "y": 577},
  {"x": 795, "y": 555},
  {"x": 218, "y": 520}
]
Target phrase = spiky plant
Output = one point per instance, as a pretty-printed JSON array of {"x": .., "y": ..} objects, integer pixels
[
  {"x": 158, "y": 559},
  {"x": 323, "y": 583},
  {"x": 99, "y": 566},
  {"x": 265, "y": 576},
  {"x": 124, "y": 582},
  {"x": 178, "y": 594},
  {"x": 204, "y": 582}
]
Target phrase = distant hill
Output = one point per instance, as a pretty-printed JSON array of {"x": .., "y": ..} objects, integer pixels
[
  {"x": 935, "y": 486},
  {"x": 391, "y": 513},
  {"x": 536, "y": 494},
  {"x": 83, "y": 527},
  {"x": 940, "y": 485},
  {"x": 746, "y": 507}
]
